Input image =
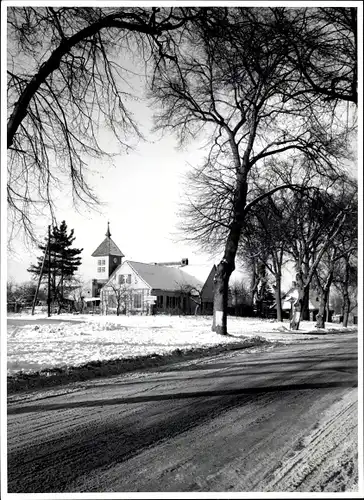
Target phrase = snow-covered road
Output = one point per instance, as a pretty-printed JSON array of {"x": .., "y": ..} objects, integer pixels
[{"x": 278, "y": 420}]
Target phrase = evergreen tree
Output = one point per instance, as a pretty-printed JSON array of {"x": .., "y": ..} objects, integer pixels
[{"x": 64, "y": 261}]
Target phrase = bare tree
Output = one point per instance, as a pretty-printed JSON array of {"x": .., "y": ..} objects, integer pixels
[
  {"x": 193, "y": 294},
  {"x": 322, "y": 280},
  {"x": 264, "y": 239},
  {"x": 346, "y": 265},
  {"x": 346, "y": 282},
  {"x": 77, "y": 288},
  {"x": 338, "y": 264},
  {"x": 22, "y": 294},
  {"x": 324, "y": 50},
  {"x": 121, "y": 294},
  {"x": 241, "y": 297},
  {"x": 231, "y": 79},
  {"x": 67, "y": 79},
  {"x": 317, "y": 219}
]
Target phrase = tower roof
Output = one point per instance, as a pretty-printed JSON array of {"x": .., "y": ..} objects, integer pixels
[{"x": 107, "y": 247}]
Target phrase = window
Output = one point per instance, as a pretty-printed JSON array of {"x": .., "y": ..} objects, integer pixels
[
  {"x": 101, "y": 262},
  {"x": 112, "y": 301},
  {"x": 100, "y": 269},
  {"x": 160, "y": 301},
  {"x": 124, "y": 278},
  {"x": 137, "y": 301}
]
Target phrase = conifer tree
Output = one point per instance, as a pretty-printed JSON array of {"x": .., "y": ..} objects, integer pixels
[{"x": 64, "y": 261}]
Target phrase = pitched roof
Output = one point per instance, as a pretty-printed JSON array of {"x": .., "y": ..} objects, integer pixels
[
  {"x": 293, "y": 293},
  {"x": 107, "y": 247},
  {"x": 164, "y": 277},
  {"x": 198, "y": 271}
]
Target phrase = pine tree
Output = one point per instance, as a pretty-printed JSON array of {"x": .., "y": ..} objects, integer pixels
[{"x": 64, "y": 261}]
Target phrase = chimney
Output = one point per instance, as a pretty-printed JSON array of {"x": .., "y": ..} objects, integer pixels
[{"x": 181, "y": 263}]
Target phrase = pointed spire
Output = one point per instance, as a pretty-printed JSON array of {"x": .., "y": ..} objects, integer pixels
[{"x": 108, "y": 234}]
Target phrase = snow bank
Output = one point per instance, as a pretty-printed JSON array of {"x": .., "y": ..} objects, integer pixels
[{"x": 37, "y": 346}]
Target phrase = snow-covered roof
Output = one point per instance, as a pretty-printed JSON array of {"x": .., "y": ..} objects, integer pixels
[
  {"x": 165, "y": 277},
  {"x": 200, "y": 272},
  {"x": 239, "y": 275},
  {"x": 107, "y": 247},
  {"x": 293, "y": 294}
]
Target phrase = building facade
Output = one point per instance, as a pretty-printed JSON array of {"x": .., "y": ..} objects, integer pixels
[
  {"x": 108, "y": 257},
  {"x": 141, "y": 288}
]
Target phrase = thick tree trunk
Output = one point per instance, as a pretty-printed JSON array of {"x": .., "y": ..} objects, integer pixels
[
  {"x": 297, "y": 313},
  {"x": 261, "y": 289},
  {"x": 320, "y": 318},
  {"x": 222, "y": 276},
  {"x": 305, "y": 314},
  {"x": 227, "y": 264},
  {"x": 346, "y": 298},
  {"x": 278, "y": 297},
  {"x": 324, "y": 292},
  {"x": 346, "y": 308},
  {"x": 299, "y": 305},
  {"x": 221, "y": 289}
]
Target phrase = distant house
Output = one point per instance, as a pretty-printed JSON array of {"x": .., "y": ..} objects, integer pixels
[
  {"x": 173, "y": 288},
  {"x": 157, "y": 287},
  {"x": 291, "y": 296}
]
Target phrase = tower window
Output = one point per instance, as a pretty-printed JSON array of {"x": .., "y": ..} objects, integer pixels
[
  {"x": 101, "y": 262},
  {"x": 100, "y": 269}
]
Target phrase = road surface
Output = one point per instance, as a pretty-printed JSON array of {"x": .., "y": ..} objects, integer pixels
[{"x": 283, "y": 419}]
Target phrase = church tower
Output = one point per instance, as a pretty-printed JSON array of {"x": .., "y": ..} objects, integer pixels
[{"x": 107, "y": 257}]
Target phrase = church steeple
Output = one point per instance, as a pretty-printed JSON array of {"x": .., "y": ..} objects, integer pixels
[
  {"x": 108, "y": 248},
  {"x": 108, "y": 234}
]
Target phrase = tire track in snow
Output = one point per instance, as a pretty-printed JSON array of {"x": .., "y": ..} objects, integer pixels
[{"x": 326, "y": 460}]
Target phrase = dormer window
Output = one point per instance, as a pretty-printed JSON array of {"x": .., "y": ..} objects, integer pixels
[{"x": 124, "y": 278}]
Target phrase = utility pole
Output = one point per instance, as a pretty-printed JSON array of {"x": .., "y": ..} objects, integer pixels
[
  {"x": 40, "y": 277},
  {"x": 49, "y": 271}
]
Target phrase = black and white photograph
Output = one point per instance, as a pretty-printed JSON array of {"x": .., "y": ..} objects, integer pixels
[{"x": 181, "y": 249}]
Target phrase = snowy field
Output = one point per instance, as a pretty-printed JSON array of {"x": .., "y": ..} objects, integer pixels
[{"x": 34, "y": 347}]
